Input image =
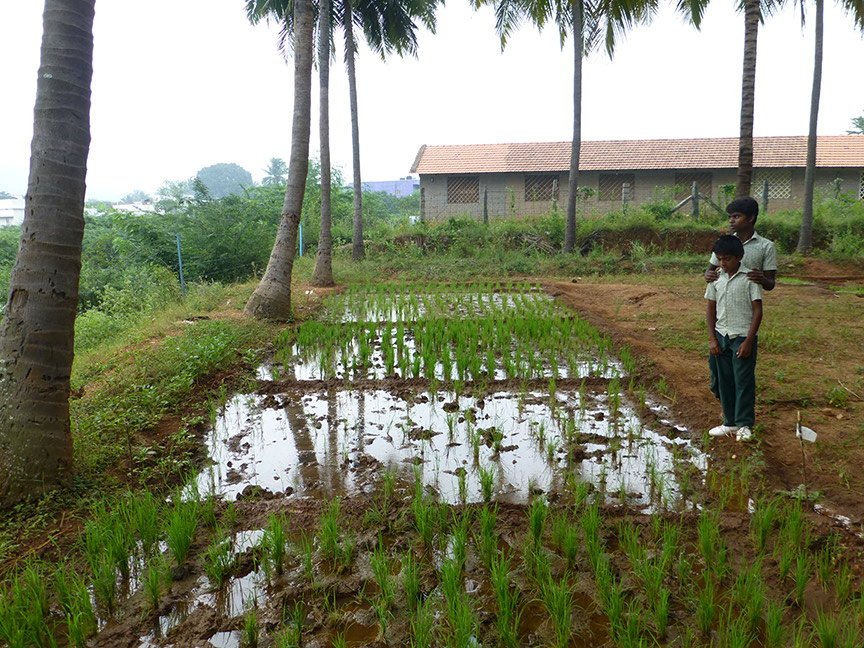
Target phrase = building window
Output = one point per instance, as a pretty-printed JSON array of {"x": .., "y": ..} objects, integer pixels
[
  {"x": 616, "y": 186},
  {"x": 779, "y": 183},
  {"x": 684, "y": 184},
  {"x": 463, "y": 190},
  {"x": 540, "y": 188}
]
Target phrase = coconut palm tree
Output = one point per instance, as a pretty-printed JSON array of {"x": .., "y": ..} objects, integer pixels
[
  {"x": 272, "y": 297},
  {"x": 590, "y": 22},
  {"x": 275, "y": 172},
  {"x": 323, "y": 273},
  {"x": 856, "y": 9},
  {"x": 37, "y": 333}
]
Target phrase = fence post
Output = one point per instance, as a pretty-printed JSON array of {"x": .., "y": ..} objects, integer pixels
[
  {"x": 180, "y": 266},
  {"x": 625, "y": 194},
  {"x": 694, "y": 194},
  {"x": 554, "y": 194},
  {"x": 765, "y": 197},
  {"x": 485, "y": 207},
  {"x": 300, "y": 237}
]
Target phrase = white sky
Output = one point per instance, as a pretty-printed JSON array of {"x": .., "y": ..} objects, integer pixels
[{"x": 182, "y": 84}]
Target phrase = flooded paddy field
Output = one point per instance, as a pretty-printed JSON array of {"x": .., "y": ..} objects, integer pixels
[{"x": 454, "y": 466}]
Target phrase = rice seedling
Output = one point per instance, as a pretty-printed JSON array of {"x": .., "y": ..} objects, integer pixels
[
  {"x": 801, "y": 576},
  {"x": 250, "y": 632},
  {"x": 828, "y": 629},
  {"x": 748, "y": 593},
  {"x": 424, "y": 512},
  {"x": 273, "y": 542},
  {"x": 155, "y": 578},
  {"x": 219, "y": 559},
  {"x": 180, "y": 529},
  {"x": 339, "y": 641},
  {"x": 537, "y": 513},
  {"x": 785, "y": 560},
  {"x": 629, "y": 538},
  {"x": 462, "y": 482},
  {"x": 411, "y": 582},
  {"x": 329, "y": 534},
  {"x": 422, "y": 625},
  {"x": 507, "y": 621},
  {"x": 487, "y": 543},
  {"x": 143, "y": 512},
  {"x": 463, "y": 624},
  {"x": 306, "y": 548},
  {"x": 25, "y": 609},
  {"x": 105, "y": 584},
  {"x": 382, "y": 612},
  {"x": 380, "y": 564},
  {"x": 460, "y": 537},
  {"x": 706, "y": 606},
  {"x": 761, "y": 523},
  {"x": 775, "y": 630},
  {"x": 710, "y": 543},
  {"x": 737, "y": 632},
  {"x": 487, "y": 483},
  {"x": 558, "y": 599},
  {"x": 660, "y": 610},
  {"x": 842, "y": 581}
]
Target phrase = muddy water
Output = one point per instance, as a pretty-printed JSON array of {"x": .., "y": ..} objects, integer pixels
[{"x": 326, "y": 443}]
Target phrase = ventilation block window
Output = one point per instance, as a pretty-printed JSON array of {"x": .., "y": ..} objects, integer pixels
[
  {"x": 540, "y": 188},
  {"x": 779, "y": 183},
  {"x": 861, "y": 187},
  {"x": 462, "y": 190},
  {"x": 684, "y": 184},
  {"x": 616, "y": 186}
]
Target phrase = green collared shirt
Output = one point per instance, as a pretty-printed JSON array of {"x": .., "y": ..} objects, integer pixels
[
  {"x": 759, "y": 254},
  {"x": 734, "y": 296}
]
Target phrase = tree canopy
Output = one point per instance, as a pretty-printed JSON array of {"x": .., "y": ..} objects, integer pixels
[{"x": 224, "y": 179}]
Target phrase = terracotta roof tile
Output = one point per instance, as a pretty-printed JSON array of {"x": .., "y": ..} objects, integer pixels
[{"x": 611, "y": 155}]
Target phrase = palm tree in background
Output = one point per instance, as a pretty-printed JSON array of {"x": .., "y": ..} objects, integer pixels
[
  {"x": 855, "y": 8},
  {"x": 388, "y": 27},
  {"x": 323, "y": 273},
  {"x": 275, "y": 172},
  {"x": 590, "y": 22},
  {"x": 37, "y": 334},
  {"x": 272, "y": 297}
]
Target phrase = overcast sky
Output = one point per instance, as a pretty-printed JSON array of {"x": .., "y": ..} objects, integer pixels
[{"x": 182, "y": 84}]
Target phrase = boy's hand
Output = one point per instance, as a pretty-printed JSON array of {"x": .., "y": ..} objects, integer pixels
[
  {"x": 757, "y": 276},
  {"x": 713, "y": 347},
  {"x": 711, "y": 275},
  {"x": 745, "y": 349}
]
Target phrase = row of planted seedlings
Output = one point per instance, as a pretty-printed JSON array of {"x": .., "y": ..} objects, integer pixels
[
  {"x": 426, "y": 573},
  {"x": 391, "y": 302},
  {"x": 518, "y": 345}
]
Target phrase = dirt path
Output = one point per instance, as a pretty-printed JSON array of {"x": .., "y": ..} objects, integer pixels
[{"x": 661, "y": 322}]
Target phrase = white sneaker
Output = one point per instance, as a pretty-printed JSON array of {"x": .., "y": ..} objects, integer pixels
[
  {"x": 723, "y": 430},
  {"x": 744, "y": 434}
]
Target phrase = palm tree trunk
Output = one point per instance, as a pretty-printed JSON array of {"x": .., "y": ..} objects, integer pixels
[
  {"x": 805, "y": 236},
  {"x": 272, "y": 298},
  {"x": 323, "y": 274},
  {"x": 573, "y": 184},
  {"x": 37, "y": 334},
  {"x": 357, "y": 249},
  {"x": 752, "y": 13}
]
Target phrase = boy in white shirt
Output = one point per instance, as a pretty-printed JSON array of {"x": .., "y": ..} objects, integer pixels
[{"x": 733, "y": 316}]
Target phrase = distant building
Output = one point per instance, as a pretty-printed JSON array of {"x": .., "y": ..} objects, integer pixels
[
  {"x": 144, "y": 207},
  {"x": 401, "y": 187},
  {"x": 528, "y": 179},
  {"x": 11, "y": 211}
]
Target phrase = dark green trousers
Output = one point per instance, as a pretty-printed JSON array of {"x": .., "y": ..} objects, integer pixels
[{"x": 736, "y": 381}]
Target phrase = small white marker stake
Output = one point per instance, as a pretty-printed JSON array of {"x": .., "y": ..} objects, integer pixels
[{"x": 804, "y": 434}]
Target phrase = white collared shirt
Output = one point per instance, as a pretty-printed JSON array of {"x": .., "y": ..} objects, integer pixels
[{"x": 734, "y": 296}]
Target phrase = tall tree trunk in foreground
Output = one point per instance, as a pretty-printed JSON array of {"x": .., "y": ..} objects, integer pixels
[
  {"x": 752, "y": 14},
  {"x": 573, "y": 184},
  {"x": 357, "y": 249},
  {"x": 323, "y": 274},
  {"x": 272, "y": 298},
  {"x": 805, "y": 236},
  {"x": 37, "y": 335}
]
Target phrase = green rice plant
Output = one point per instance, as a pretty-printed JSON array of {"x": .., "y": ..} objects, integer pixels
[
  {"x": 156, "y": 576},
  {"x": 558, "y": 599},
  {"x": 762, "y": 522},
  {"x": 660, "y": 611},
  {"x": 411, "y": 581},
  {"x": 180, "y": 529},
  {"x": 629, "y": 537},
  {"x": 487, "y": 542},
  {"x": 274, "y": 542},
  {"x": 566, "y": 538},
  {"x": 487, "y": 483},
  {"x": 793, "y": 526},
  {"x": 828, "y": 629},
  {"x": 463, "y": 624},
  {"x": 671, "y": 544},
  {"x": 105, "y": 584},
  {"x": 706, "y": 606},
  {"x": 737, "y": 632},
  {"x": 462, "y": 483},
  {"x": 25, "y": 620},
  {"x": 842, "y": 581},
  {"x": 380, "y": 564},
  {"x": 143, "y": 514},
  {"x": 460, "y": 536},
  {"x": 250, "y": 632},
  {"x": 329, "y": 533},
  {"x": 785, "y": 560},
  {"x": 775, "y": 630},
  {"x": 382, "y": 612},
  {"x": 339, "y": 641},
  {"x": 537, "y": 513},
  {"x": 219, "y": 559},
  {"x": 422, "y": 625},
  {"x": 306, "y": 548},
  {"x": 424, "y": 512},
  {"x": 507, "y": 620},
  {"x": 801, "y": 576},
  {"x": 650, "y": 573},
  {"x": 748, "y": 594},
  {"x": 710, "y": 543}
]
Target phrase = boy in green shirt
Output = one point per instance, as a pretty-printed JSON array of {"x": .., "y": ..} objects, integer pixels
[{"x": 733, "y": 315}]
